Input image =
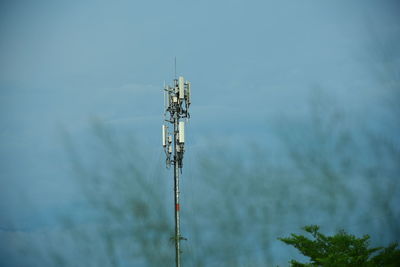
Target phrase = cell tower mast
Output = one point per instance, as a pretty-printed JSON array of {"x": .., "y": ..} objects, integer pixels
[{"x": 176, "y": 108}]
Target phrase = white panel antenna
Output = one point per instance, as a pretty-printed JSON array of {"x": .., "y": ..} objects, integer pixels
[
  {"x": 181, "y": 85},
  {"x": 164, "y": 135},
  {"x": 188, "y": 92},
  {"x": 181, "y": 132},
  {"x": 166, "y": 97}
]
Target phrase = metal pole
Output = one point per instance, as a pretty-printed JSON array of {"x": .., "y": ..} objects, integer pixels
[{"x": 176, "y": 190}]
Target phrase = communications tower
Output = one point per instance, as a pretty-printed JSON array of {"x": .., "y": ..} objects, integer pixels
[{"x": 176, "y": 111}]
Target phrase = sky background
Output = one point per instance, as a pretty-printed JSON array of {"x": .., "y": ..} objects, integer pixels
[{"x": 64, "y": 63}]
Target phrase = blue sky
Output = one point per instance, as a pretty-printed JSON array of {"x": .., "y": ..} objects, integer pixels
[{"x": 250, "y": 62}]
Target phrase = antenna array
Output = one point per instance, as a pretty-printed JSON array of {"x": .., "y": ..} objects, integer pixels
[{"x": 176, "y": 108}]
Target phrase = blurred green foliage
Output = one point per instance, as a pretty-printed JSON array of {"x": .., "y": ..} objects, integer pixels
[{"x": 341, "y": 249}]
